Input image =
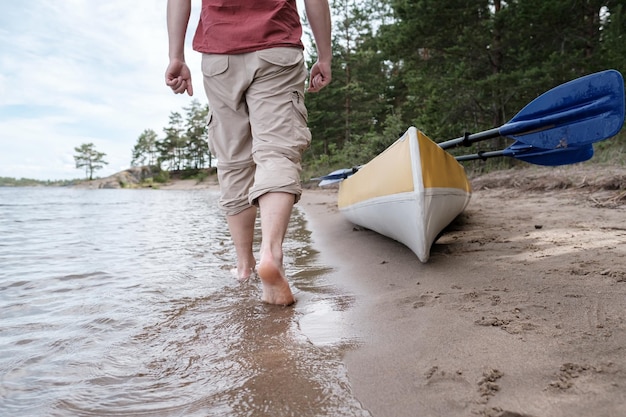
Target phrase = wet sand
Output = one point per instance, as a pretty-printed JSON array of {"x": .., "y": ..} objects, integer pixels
[{"x": 520, "y": 311}]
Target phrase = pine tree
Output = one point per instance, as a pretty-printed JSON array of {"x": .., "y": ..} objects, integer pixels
[{"x": 88, "y": 158}]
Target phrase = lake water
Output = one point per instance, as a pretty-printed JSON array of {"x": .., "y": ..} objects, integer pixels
[{"x": 121, "y": 303}]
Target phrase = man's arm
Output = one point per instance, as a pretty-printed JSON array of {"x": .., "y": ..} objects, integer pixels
[
  {"x": 318, "y": 15},
  {"x": 177, "y": 75}
]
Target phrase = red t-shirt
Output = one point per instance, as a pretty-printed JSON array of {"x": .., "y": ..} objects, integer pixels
[{"x": 240, "y": 26}]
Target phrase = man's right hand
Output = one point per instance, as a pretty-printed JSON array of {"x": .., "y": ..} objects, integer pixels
[
  {"x": 178, "y": 77},
  {"x": 320, "y": 77}
]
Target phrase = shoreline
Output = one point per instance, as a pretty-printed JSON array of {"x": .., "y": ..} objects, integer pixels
[{"x": 521, "y": 310}]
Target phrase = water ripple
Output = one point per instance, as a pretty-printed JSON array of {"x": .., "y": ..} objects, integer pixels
[{"x": 120, "y": 303}]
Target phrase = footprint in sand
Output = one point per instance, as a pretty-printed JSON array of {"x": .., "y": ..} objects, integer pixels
[{"x": 423, "y": 300}]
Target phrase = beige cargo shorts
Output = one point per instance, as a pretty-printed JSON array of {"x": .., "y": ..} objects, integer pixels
[{"x": 257, "y": 127}]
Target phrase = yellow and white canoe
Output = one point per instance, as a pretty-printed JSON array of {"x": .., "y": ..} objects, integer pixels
[{"x": 409, "y": 193}]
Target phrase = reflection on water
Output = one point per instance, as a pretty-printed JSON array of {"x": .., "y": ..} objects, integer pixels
[{"x": 120, "y": 302}]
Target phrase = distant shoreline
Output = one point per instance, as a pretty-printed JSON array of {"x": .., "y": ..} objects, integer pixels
[{"x": 143, "y": 177}]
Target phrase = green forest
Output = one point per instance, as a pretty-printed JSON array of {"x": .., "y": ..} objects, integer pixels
[{"x": 444, "y": 66}]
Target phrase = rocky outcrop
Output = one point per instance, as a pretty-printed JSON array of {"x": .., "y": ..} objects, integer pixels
[{"x": 130, "y": 178}]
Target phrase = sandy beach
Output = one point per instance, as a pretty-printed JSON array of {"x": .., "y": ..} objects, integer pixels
[{"x": 520, "y": 311}]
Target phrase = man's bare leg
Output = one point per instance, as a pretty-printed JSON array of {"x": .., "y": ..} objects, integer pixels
[
  {"x": 241, "y": 226},
  {"x": 275, "y": 214}
]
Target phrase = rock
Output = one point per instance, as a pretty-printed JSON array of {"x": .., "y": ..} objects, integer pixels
[{"x": 129, "y": 178}]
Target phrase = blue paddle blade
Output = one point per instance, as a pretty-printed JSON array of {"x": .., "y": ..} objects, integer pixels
[
  {"x": 580, "y": 112},
  {"x": 549, "y": 157}
]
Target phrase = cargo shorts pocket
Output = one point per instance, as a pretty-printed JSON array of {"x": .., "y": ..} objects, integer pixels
[
  {"x": 300, "y": 116},
  {"x": 282, "y": 56},
  {"x": 214, "y": 64},
  {"x": 210, "y": 132}
]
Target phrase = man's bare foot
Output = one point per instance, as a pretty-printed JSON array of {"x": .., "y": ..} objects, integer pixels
[{"x": 275, "y": 286}]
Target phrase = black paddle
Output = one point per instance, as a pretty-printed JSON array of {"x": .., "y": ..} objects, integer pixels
[
  {"x": 518, "y": 150},
  {"x": 557, "y": 128},
  {"x": 537, "y": 156},
  {"x": 580, "y": 112}
]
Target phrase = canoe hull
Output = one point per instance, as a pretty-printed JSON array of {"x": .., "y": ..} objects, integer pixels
[{"x": 409, "y": 193}]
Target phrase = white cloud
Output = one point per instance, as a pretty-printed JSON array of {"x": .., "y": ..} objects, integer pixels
[{"x": 81, "y": 71}]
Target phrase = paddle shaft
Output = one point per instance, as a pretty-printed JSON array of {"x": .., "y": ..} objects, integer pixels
[
  {"x": 470, "y": 138},
  {"x": 537, "y": 156},
  {"x": 481, "y": 155}
]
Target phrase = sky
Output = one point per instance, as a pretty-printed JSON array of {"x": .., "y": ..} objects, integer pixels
[{"x": 83, "y": 71}]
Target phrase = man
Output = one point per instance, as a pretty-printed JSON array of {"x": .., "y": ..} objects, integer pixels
[{"x": 254, "y": 75}]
